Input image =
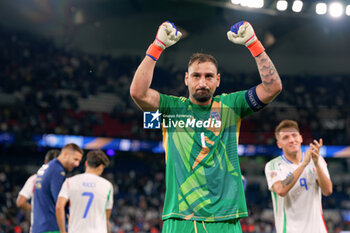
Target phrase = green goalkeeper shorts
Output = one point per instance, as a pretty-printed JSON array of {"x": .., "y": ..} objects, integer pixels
[{"x": 174, "y": 225}]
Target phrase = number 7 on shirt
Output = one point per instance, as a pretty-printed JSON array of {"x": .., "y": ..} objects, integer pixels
[{"x": 91, "y": 197}]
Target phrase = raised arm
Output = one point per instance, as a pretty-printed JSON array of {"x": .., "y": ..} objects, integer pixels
[
  {"x": 282, "y": 187},
  {"x": 323, "y": 180},
  {"x": 271, "y": 85},
  {"x": 145, "y": 97}
]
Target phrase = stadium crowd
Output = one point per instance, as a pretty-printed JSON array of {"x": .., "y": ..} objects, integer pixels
[
  {"x": 43, "y": 89},
  {"x": 138, "y": 180}
]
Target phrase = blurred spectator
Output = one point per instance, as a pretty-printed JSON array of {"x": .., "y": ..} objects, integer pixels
[
  {"x": 46, "y": 89},
  {"x": 138, "y": 181}
]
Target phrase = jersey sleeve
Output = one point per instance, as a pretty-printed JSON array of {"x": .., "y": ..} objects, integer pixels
[
  {"x": 167, "y": 102},
  {"x": 56, "y": 183},
  {"x": 272, "y": 174},
  {"x": 28, "y": 188},
  {"x": 65, "y": 190},
  {"x": 109, "y": 203},
  {"x": 238, "y": 102}
]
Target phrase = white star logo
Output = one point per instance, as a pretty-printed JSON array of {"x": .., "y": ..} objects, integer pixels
[{"x": 155, "y": 115}]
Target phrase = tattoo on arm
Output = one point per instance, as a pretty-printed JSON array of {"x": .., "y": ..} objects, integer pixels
[
  {"x": 267, "y": 71},
  {"x": 287, "y": 181}
]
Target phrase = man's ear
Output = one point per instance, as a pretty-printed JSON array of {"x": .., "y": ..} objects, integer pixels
[
  {"x": 278, "y": 144},
  {"x": 65, "y": 154},
  {"x": 186, "y": 78},
  {"x": 101, "y": 167},
  {"x": 218, "y": 78}
]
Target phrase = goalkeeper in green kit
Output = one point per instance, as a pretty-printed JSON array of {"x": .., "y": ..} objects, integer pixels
[{"x": 204, "y": 191}]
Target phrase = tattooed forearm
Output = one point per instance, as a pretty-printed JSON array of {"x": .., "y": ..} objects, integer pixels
[
  {"x": 268, "y": 73},
  {"x": 287, "y": 181}
]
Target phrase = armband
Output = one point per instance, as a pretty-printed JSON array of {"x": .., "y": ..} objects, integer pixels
[{"x": 253, "y": 101}]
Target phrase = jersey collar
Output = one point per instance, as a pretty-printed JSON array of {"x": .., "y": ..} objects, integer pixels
[{"x": 290, "y": 162}]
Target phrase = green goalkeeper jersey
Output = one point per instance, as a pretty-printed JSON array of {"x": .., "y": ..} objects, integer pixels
[{"x": 203, "y": 176}]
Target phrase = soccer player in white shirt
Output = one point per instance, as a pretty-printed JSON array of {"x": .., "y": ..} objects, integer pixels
[
  {"x": 27, "y": 191},
  {"x": 90, "y": 197},
  {"x": 296, "y": 181}
]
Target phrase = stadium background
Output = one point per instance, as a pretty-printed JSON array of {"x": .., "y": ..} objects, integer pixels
[{"x": 66, "y": 67}]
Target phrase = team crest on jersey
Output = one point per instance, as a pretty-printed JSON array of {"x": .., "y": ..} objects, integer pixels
[
  {"x": 215, "y": 116},
  {"x": 273, "y": 174},
  {"x": 63, "y": 173}
]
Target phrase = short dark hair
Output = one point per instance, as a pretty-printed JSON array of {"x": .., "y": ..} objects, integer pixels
[
  {"x": 286, "y": 124},
  {"x": 202, "y": 57},
  {"x": 51, "y": 154},
  {"x": 97, "y": 157},
  {"x": 74, "y": 147}
]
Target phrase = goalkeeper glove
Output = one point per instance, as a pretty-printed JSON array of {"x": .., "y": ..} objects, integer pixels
[
  {"x": 167, "y": 35},
  {"x": 243, "y": 33}
]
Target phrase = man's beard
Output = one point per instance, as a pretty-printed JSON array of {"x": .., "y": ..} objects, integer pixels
[{"x": 204, "y": 97}]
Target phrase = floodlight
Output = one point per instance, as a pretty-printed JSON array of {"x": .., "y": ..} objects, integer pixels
[
  {"x": 297, "y": 6},
  {"x": 282, "y": 5},
  {"x": 321, "y": 8},
  {"x": 258, "y": 4},
  {"x": 251, "y": 3},
  {"x": 336, "y": 9},
  {"x": 347, "y": 11}
]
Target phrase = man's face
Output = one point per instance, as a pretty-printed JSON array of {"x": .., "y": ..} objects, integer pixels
[
  {"x": 202, "y": 80},
  {"x": 73, "y": 160},
  {"x": 289, "y": 140}
]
